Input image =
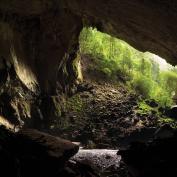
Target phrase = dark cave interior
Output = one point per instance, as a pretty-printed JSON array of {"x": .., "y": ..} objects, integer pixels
[{"x": 44, "y": 95}]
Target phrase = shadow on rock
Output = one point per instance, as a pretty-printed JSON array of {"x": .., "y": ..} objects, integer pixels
[{"x": 34, "y": 153}]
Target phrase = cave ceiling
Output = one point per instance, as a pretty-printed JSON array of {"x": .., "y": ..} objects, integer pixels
[{"x": 42, "y": 36}]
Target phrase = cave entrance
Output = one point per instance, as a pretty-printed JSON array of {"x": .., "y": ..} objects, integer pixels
[
  {"x": 105, "y": 58},
  {"x": 125, "y": 94}
]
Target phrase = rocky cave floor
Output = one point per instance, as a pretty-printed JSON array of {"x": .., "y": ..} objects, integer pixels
[
  {"x": 104, "y": 115},
  {"x": 107, "y": 115}
]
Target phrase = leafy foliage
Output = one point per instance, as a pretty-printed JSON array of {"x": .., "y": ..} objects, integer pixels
[
  {"x": 146, "y": 73},
  {"x": 144, "y": 108},
  {"x": 167, "y": 120}
]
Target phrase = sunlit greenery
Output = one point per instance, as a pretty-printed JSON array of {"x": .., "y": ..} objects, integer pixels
[
  {"x": 167, "y": 120},
  {"x": 146, "y": 73},
  {"x": 144, "y": 108}
]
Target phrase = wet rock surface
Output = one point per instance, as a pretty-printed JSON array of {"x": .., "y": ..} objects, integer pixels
[
  {"x": 100, "y": 159},
  {"x": 105, "y": 162}
]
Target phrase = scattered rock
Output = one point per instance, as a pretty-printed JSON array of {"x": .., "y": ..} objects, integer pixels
[
  {"x": 104, "y": 118},
  {"x": 173, "y": 112}
]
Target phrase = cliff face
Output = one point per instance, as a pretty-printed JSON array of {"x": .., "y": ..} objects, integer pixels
[{"x": 41, "y": 37}]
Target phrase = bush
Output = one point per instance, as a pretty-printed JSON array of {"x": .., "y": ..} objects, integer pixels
[
  {"x": 142, "y": 85},
  {"x": 107, "y": 72}
]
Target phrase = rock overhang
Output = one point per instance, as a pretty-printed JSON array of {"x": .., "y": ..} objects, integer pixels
[{"x": 48, "y": 32}]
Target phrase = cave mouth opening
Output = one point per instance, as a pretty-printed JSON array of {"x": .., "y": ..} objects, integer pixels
[
  {"x": 106, "y": 58},
  {"x": 124, "y": 95}
]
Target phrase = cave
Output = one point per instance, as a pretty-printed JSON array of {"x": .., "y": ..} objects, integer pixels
[{"x": 40, "y": 79}]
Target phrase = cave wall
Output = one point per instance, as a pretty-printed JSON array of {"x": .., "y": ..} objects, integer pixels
[
  {"x": 16, "y": 51},
  {"x": 41, "y": 44},
  {"x": 41, "y": 39}
]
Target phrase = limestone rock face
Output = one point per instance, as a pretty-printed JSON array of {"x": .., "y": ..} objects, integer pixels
[{"x": 41, "y": 37}]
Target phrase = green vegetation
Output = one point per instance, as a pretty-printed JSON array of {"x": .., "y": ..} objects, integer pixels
[
  {"x": 64, "y": 112},
  {"x": 144, "y": 108},
  {"x": 75, "y": 104},
  {"x": 167, "y": 120},
  {"x": 146, "y": 73}
]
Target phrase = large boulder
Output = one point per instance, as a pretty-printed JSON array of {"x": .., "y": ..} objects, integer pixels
[
  {"x": 99, "y": 159},
  {"x": 156, "y": 158},
  {"x": 173, "y": 112},
  {"x": 43, "y": 153},
  {"x": 46, "y": 145},
  {"x": 34, "y": 153}
]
